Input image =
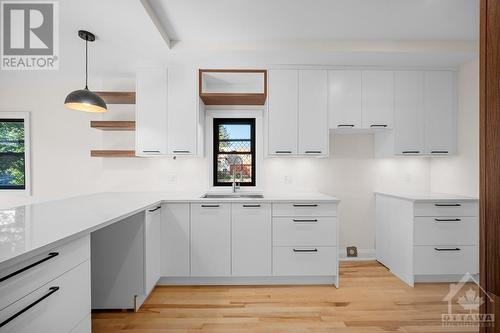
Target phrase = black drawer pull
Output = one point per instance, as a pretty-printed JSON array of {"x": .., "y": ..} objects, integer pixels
[
  {"x": 447, "y": 220},
  {"x": 181, "y": 151},
  {"x": 313, "y": 151},
  {"x": 283, "y": 152},
  {"x": 251, "y": 206},
  {"x": 210, "y": 206},
  {"x": 305, "y": 250},
  {"x": 305, "y": 205},
  {"x": 17, "y": 314},
  {"x": 378, "y": 126},
  {"x": 19, "y": 271},
  {"x": 446, "y": 249},
  {"x": 150, "y": 151},
  {"x": 411, "y": 152},
  {"x": 439, "y": 152},
  {"x": 345, "y": 125},
  {"x": 154, "y": 209},
  {"x": 448, "y": 205},
  {"x": 305, "y": 220}
]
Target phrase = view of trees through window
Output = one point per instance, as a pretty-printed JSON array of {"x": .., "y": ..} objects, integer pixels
[
  {"x": 12, "y": 154},
  {"x": 234, "y": 151}
]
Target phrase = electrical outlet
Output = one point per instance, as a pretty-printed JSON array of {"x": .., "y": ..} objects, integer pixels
[
  {"x": 172, "y": 178},
  {"x": 352, "y": 251},
  {"x": 287, "y": 179}
]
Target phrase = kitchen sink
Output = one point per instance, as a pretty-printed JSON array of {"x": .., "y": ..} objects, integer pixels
[{"x": 232, "y": 195}]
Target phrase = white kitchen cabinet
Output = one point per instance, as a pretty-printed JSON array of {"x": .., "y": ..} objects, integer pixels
[
  {"x": 377, "y": 99},
  {"x": 251, "y": 239},
  {"x": 210, "y": 239},
  {"x": 151, "y": 112},
  {"x": 282, "y": 112},
  {"x": 313, "y": 113},
  {"x": 175, "y": 240},
  {"x": 344, "y": 98},
  {"x": 152, "y": 243},
  {"x": 440, "y": 112},
  {"x": 409, "y": 116},
  {"x": 183, "y": 109}
]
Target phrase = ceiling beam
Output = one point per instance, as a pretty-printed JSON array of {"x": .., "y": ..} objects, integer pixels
[{"x": 156, "y": 21}]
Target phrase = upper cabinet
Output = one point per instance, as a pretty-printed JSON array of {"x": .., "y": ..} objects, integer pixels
[
  {"x": 409, "y": 133},
  {"x": 377, "y": 99},
  {"x": 151, "y": 112},
  {"x": 283, "y": 108},
  {"x": 344, "y": 98},
  {"x": 360, "y": 99},
  {"x": 297, "y": 113},
  {"x": 313, "y": 112},
  {"x": 440, "y": 105}
]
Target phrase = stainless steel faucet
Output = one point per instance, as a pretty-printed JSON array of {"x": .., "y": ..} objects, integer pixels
[{"x": 236, "y": 158}]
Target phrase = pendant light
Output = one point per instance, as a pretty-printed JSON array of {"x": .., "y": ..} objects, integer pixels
[{"x": 84, "y": 99}]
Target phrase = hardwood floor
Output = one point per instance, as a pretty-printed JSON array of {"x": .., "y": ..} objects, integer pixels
[{"x": 370, "y": 300}]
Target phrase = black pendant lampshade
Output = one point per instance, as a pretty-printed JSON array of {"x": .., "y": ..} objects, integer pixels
[{"x": 84, "y": 99}]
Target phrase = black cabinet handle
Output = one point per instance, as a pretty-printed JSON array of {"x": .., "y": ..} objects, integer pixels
[
  {"x": 305, "y": 220},
  {"x": 305, "y": 205},
  {"x": 378, "y": 126},
  {"x": 447, "y": 220},
  {"x": 446, "y": 249},
  {"x": 283, "y": 152},
  {"x": 305, "y": 250},
  {"x": 345, "y": 125},
  {"x": 313, "y": 151},
  {"x": 181, "y": 151},
  {"x": 411, "y": 152},
  {"x": 150, "y": 151},
  {"x": 17, "y": 314},
  {"x": 210, "y": 206},
  {"x": 439, "y": 152},
  {"x": 154, "y": 209},
  {"x": 251, "y": 206},
  {"x": 448, "y": 205},
  {"x": 19, "y": 271}
]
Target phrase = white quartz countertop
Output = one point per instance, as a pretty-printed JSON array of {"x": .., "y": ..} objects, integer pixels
[
  {"x": 427, "y": 196},
  {"x": 26, "y": 230}
]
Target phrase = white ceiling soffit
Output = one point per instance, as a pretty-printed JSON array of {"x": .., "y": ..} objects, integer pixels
[{"x": 223, "y": 22}]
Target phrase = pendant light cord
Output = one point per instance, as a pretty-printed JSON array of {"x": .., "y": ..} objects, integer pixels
[{"x": 86, "y": 63}]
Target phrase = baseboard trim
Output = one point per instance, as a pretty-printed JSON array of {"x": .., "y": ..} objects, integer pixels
[
  {"x": 444, "y": 278},
  {"x": 363, "y": 254},
  {"x": 270, "y": 280}
]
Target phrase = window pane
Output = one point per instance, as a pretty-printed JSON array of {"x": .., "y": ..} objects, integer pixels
[
  {"x": 234, "y": 131},
  {"x": 12, "y": 162},
  {"x": 241, "y": 164}
]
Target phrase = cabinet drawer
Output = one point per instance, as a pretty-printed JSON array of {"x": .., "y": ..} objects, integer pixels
[
  {"x": 304, "y": 261},
  {"x": 446, "y": 260},
  {"x": 446, "y": 231},
  {"x": 45, "y": 267},
  {"x": 446, "y": 208},
  {"x": 305, "y": 209},
  {"x": 63, "y": 303},
  {"x": 305, "y": 231}
]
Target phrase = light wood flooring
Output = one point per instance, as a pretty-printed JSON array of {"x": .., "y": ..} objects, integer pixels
[{"x": 369, "y": 300}]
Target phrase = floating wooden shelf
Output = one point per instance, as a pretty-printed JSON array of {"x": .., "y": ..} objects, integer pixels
[
  {"x": 233, "y": 86},
  {"x": 113, "y": 125},
  {"x": 117, "y": 97},
  {"x": 112, "y": 153}
]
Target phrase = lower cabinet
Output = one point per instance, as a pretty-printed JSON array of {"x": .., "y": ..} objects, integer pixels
[
  {"x": 175, "y": 240},
  {"x": 152, "y": 250},
  {"x": 211, "y": 239},
  {"x": 305, "y": 261},
  {"x": 56, "y": 307},
  {"x": 251, "y": 239}
]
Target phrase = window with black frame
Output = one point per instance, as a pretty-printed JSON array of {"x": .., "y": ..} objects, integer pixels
[
  {"x": 12, "y": 154},
  {"x": 234, "y": 151}
]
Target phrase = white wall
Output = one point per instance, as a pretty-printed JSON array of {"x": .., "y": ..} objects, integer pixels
[{"x": 460, "y": 174}]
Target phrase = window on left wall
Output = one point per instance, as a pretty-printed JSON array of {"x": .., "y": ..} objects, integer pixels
[{"x": 14, "y": 151}]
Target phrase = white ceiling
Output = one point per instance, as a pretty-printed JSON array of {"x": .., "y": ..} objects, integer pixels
[{"x": 257, "y": 20}]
